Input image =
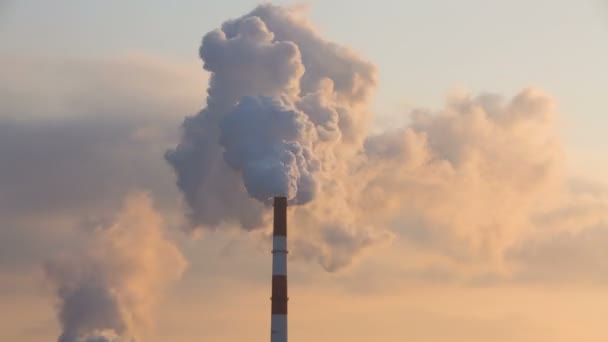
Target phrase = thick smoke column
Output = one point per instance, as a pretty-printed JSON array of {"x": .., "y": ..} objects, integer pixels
[
  {"x": 276, "y": 93},
  {"x": 288, "y": 115},
  {"x": 284, "y": 108},
  {"x": 108, "y": 289},
  {"x": 271, "y": 143}
]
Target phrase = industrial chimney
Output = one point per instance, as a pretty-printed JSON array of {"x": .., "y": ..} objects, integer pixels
[{"x": 278, "y": 323}]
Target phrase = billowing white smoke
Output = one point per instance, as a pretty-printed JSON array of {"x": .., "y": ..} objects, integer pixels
[
  {"x": 107, "y": 290},
  {"x": 271, "y": 143},
  {"x": 284, "y": 109},
  {"x": 288, "y": 114}
]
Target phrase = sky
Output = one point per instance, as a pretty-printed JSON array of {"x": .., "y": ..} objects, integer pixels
[{"x": 465, "y": 218}]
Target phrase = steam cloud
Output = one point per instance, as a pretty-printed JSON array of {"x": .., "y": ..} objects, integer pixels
[
  {"x": 271, "y": 143},
  {"x": 284, "y": 109},
  {"x": 288, "y": 114},
  {"x": 472, "y": 174},
  {"x": 108, "y": 289}
]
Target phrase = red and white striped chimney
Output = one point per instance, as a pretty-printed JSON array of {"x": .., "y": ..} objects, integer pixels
[{"x": 278, "y": 323}]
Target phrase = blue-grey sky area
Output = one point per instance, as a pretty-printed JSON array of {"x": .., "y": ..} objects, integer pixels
[{"x": 423, "y": 49}]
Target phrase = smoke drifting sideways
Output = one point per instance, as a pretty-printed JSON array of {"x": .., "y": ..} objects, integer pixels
[
  {"x": 288, "y": 113},
  {"x": 470, "y": 179},
  {"x": 108, "y": 288}
]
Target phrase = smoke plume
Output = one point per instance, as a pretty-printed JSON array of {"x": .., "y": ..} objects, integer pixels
[
  {"x": 472, "y": 174},
  {"x": 271, "y": 144},
  {"x": 288, "y": 114},
  {"x": 285, "y": 107},
  {"x": 107, "y": 289}
]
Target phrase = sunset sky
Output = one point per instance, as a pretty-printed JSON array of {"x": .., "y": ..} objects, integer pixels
[{"x": 453, "y": 184}]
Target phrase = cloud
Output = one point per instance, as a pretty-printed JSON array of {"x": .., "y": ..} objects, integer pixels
[
  {"x": 564, "y": 257},
  {"x": 75, "y": 135},
  {"x": 119, "y": 87},
  {"x": 288, "y": 114},
  {"x": 285, "y": 109},
  {"x": 569, "y": 246},
  {"x": 108, "y": 287},
  {"x": 472, "y": 173},
  {"x": 270, "y": 143},
  {"x": 464, "y": 184},
  {"x": 481, "y": 195}
]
